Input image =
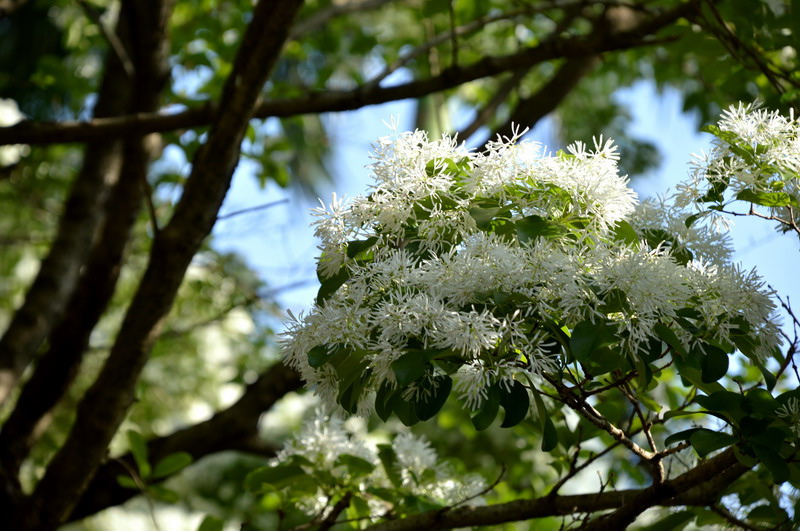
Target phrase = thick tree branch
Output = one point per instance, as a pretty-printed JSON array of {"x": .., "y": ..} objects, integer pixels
[
  {"x": 27, "y": 132},
  {"x": 490, "y": 109},
  {"x": 47, "y": 297},
  {"x": 106, "y": 402},
  {"x": 231, "y": 429},
  {"x": 530, "y": 110},
  {"x": 699, "y": 486},
  {"x": 69, "y": 339}
]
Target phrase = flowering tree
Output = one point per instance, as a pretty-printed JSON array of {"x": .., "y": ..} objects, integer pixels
[
  {"x": 131, "y": 346},
  {"x": 536, "y": 284}
]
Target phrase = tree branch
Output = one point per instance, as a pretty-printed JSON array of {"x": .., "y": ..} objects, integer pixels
[
  {"x": 530, "y": 110},
  {"x": 47, "y": 297},
  {"x": 231, "y": 429},
  {"x": 108, "y": 399},
  {"x": 699, "y": 486},
  {"x": 28, "y": 132}
]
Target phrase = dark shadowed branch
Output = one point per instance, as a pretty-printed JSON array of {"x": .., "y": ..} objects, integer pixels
[
  {"x": 108, "y": 399},
  {"x": 699, "y": 486},
  {"x": 639, "y": 34},
  {"x": 231, "y": 429}
]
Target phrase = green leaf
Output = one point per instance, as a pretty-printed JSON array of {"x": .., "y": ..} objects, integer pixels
[
  {"x": 767, "y": 199},
  {"x": 692, "y": 219},
  {"x": 669, "y": 337},
  {"x": 356, "y": 247},
  {"x": 139, "y": 450},
  {"x": 722, "y": 401},
  {"x": 773, "y": 462},
  {"x": 389, "y": 461},
  {"x": 516, "y": 404},
  {"x": 768, "y": 514},
  {"x": 383, "y": 401},
  {"x": 550, "y": 436},
  {"x": 161, "y": 493},
  {"x": 127, "y": 482},
  {"x": 769, "y": 379},
  {"x": 488, "y": 411},
  {"x": 437, "y": 166},
  {"x": 356, "y": 465},
  {"x": 318, "y": 356},
  {"x": 761, "y": 403},
  {"x": 277, "y": 476},
  {"x": 172, "y": 464},
  {"x": 483, "y": 216},
  {"x": 329, "y": 285},
  {"x": 410, "y": 366},
  {"x": 680, "y": 436},
  {"x": 549, "y": 433},
  {"x": 706, "y": 441},
  {"x": 587, "y": 337},
  {"x": 211, "y": 523},
  {"x": 405, "y": 410},
  {"x": 714, "y": 365},
  {"x": 673, "y": 522},
  {"x": 531, "y": 227},
  {"x": 426, "y": 409},
  {"x": 625, "y": 233}
]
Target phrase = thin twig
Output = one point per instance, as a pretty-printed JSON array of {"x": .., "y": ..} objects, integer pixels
[
  {"x": 321, "y": 18},
  {"x": 147, "y": 192},
  {"x": 111, "y": 37},
  {"x": 727, "y": 515},
  {"x": 595, "y": 417},
  {"x": 151, "y": 508},
  {"x": 454, "y": 35},
  {"x": 252, "y": 209}
]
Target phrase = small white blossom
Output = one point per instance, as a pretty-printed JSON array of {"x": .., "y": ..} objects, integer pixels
[
  {"x": 324, "y": 438},
  {"x": 790, "y": 412}
]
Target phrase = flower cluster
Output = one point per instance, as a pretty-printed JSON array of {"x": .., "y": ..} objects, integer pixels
[
  {"x": 755, "y": 158},
  {"x": 478, "y": 271},
  {"x": 326, "y": 449}
]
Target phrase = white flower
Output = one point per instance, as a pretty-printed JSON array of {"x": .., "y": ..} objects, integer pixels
[
  {"x": 790, "y": 412},
  {"x": 322, "y": 440},
  {"x": 704, "y": 241},
  {"x": 472, "y": 383},
  {"x": 417, "y": 461}
]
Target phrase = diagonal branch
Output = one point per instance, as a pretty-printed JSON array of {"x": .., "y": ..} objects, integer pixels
[
  {"x": 490, "y": 109},
  {"x": 47, "y": 297},
  {"x": 530, "y": 110},
  {"x": 60, "y": 363},
  {"x": 700, "y": 486},
  {"x": 106, "y": 402},
  {"x": 230, "y": 429},
  {"x": 28, "y": 132}
]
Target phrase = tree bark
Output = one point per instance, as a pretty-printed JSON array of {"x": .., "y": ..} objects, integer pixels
[{"x": 105, "y": 404}]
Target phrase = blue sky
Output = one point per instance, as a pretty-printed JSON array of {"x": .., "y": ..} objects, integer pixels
[{"x": 279, "y": 244}]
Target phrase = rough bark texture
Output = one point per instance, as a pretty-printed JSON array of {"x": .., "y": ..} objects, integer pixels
[
  {"x": 106, "y": 402},
  {"x": 691, "y": 488}
]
